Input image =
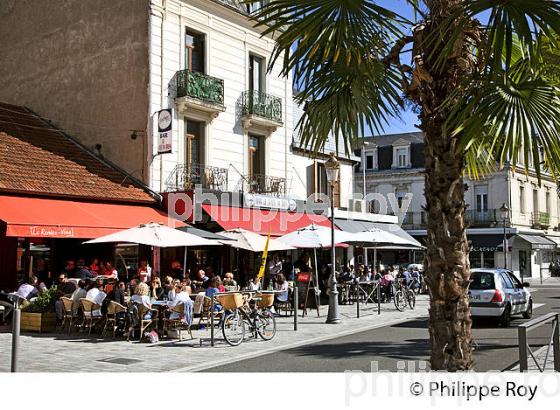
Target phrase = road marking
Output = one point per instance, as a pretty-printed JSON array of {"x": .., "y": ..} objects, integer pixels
[
  {"x": 293, "y": 345},
  {"x": 538, "y": 305}
]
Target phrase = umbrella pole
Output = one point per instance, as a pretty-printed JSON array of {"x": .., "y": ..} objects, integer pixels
[
  {"x": 317, "y": 298},
  {"x": 185, "y": 262},
  {"x": 365, "y": 257}
]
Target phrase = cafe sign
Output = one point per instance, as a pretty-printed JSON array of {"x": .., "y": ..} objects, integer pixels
[
  {"x": 165, "y": 128},
  {"x": 269, "y": 202},
  {"x": 51, "y": 232}
]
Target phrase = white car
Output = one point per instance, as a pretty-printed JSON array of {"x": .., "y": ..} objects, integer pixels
[{"x": 498, "y": 293}]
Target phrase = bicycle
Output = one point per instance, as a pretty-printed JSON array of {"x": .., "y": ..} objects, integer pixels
[
  {"x": 253, "y": 313},
  {"x": 404, "y": 295}
]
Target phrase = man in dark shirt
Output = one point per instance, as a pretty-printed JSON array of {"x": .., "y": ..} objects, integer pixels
[
  {"x": 118, "y": 293},
  {"x": 83, "y": 272},
  {"x": 64, "y": 286}
]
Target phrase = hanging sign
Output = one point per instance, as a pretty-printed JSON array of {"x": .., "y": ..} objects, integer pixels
[{"x": 165, "y": 126}]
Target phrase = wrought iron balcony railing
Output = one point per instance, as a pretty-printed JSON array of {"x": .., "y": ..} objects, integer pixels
[
  {"x": 414, "y": 220},
  {"x": 264, "y": 184},
  {"x": 200, "y": 86},
  {"x": 185, "y": 177},
  {"x": 541, "y": 220},
  {"x": 490, "y": 217},
  {"x": 261, "y": 105}
]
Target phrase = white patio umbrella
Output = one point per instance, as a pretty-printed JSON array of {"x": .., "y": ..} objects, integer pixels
[
  {"x": 251, "y": 241},
  {"x": 314, "y": 237},
  {"x": 155, "y": 234}
]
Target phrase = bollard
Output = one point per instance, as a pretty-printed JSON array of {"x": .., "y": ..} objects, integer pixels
[
  {"x": 16, "y": 317},
  {"x": 357, "y": 292},
  {"x": 378, "y": 298},
  {"x": 212, "y": 323},
  {"x": 296, "y": 296}
]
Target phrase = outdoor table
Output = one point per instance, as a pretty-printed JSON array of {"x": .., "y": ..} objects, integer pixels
[{"x": 161, "y": 306}]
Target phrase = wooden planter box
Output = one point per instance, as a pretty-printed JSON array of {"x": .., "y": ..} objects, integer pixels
[{"x": 38, "y": 322}]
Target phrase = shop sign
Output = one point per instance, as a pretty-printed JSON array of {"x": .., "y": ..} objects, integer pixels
[
  {"x": 271, "y": 202},
  {"x": 165, "y": 128},
  {"x": 51, "y": 232}
]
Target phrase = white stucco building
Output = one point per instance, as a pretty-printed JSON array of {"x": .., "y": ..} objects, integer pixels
[{"x": 393, "y": 164}]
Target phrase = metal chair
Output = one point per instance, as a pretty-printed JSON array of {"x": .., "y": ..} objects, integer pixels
[
  {"x": 114, "y": 310},
  {"x": 206, "y": 313},
  {"x": 176, "y": 324},
  {"x": 90, "y": 311}
]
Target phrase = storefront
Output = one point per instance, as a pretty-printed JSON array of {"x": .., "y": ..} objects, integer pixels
[{"x": 40, "y": 234}]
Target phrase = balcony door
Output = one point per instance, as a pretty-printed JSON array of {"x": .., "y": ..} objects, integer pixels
[
  {"x": 194, "y": 150},
  {"x": 256, "y": 157},
  {"x": 481, "y": 204},
  {"x": 194, "y": 51},
  {"x": 256, "y": 73}
]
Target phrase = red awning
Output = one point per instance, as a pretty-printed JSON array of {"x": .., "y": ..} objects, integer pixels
[
  {"x": 262, "y": 221},
  {"x": 58, "y": 218}
]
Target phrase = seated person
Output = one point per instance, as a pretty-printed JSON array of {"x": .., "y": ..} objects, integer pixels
[
  {"x": 281, "y": 286},
  {"x": 78, "y": 294},
  {"x": 156, "y": 290},
  {"x": 118, "y": 294},
  {"x": 181, "y": 296},
  {"x": 96, "y": 295},
  {"x": 142, "y": 297},
  {"x": 229, "y": 282},
  {"x": 201, "y": 281},
  {"x": 387, "y": 283},
  {"x": 255, "y": 284},
  {"x": 186, "y": 282},
  {"x": 83, "y": 272},
  {"x": 213, "y": 288},
  {"x": 65, "y": 286},
  {"x": 168, "y": 285},
  {"x": 27, "y": 290},
  {"x": 111, "y": 271}
]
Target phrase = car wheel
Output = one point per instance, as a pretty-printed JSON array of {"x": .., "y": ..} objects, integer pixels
[
  {"x": 528, "y": 314},
  {"x": 505, "y": 319}
]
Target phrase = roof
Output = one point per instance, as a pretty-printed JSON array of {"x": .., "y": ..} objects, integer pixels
[
  {"x": 390, "y": 139},
  {"x": 37, "y": 158}
]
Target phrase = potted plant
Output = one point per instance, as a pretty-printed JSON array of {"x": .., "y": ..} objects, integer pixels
[{"x": 39, "y": 315}]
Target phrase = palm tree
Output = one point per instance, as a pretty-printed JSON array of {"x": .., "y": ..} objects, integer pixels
[{"x": 479, "y": 75}]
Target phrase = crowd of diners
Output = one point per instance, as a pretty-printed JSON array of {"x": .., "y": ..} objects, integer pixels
[{"x": 99, "y": 282}]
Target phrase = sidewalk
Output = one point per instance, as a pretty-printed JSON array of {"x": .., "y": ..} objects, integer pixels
[
  {"x": 80, "y": 353},
  {"x": 548, "y": 281},
  {"x": 540, "y": 355}
]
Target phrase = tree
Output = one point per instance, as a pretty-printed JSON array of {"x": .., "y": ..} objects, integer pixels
[{"x": 477, "y": 74}]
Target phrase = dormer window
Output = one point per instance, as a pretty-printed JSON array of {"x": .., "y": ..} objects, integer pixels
[
  {"x": 401, "y": 154},
  {"x": 402, "y": 157}
]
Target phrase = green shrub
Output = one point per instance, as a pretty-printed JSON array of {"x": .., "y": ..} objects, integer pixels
[{"x": 44, "y": 302}]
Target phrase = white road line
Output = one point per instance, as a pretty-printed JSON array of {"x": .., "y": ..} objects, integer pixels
[{"x": 538, "y": 305}]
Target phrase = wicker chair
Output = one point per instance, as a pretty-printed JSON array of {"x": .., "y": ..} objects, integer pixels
[
  {"x": 176, "y": 324},
  {"x": 114, "y": 309},
  {"x": 206, "y": 314},
  {"x": 90, "y": 316},
  {"x": 142, "y": 323},
  {"x": 287, "y": 306},
  {"x": 68, "y": 315}
]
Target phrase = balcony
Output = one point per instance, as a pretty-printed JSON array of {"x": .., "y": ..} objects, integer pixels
[
  {"x": 541, "y": 220},
  {"x": 263, "y": 184},
  {"x": 185, "y": 177},
  {"x": 489, "y": 218},
  {"x": 261, "y": 109},
  {"x": 199, "y": 93},
  {"x": 414, "y": 220}
]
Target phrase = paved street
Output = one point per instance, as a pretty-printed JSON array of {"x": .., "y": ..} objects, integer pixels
[
  {"x": 61, "y": 353},
  {"x": 497, "y": 348}
]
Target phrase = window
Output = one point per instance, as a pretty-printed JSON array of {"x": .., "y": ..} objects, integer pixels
[
  {"x": 482, "y": 281},
  {"x": 256, "y": 155},
  {"x": 369, "y": 162},
  {"x": 508, "y": 284},
  {"x": 548, "y": 206},
  {"x": 254, "y": 6},
  {"x": 481, "y": 259},
  {"x": 401, "y": 196},
  {"x": 481, "y": 197},
  {"x": 194, "y": 51},
  {"x": 194, "y": 144},
  {"x": 522, "y": 199},
  {"x": 256, "y": 73},
  {"x": 402, "y": 157},
  {"x": 535, "y": 200}
]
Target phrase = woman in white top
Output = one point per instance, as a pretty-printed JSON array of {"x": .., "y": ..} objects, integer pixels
[
  {"x": 281, "y": 286},
  {"x": 142, "y": 297},
  {"x": 181, "y": 296}
]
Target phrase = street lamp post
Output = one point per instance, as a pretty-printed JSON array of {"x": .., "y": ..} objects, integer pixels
[
  {"x": 504, "y": 213},
  {"x": 331, "y": 167}
]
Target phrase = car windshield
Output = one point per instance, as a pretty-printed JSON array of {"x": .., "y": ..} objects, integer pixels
[{"x": 482, "y": 281}]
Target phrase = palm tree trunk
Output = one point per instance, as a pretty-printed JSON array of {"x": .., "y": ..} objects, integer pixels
[{"x": 447, "y": 263}]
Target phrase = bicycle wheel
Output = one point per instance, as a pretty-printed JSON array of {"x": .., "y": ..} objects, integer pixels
[
  {"x": 233, "y": 328},
  {"x": 400, "y": 301},
  {"x": 411, "y": 299},
  {"x": 265, "y": 322}
]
